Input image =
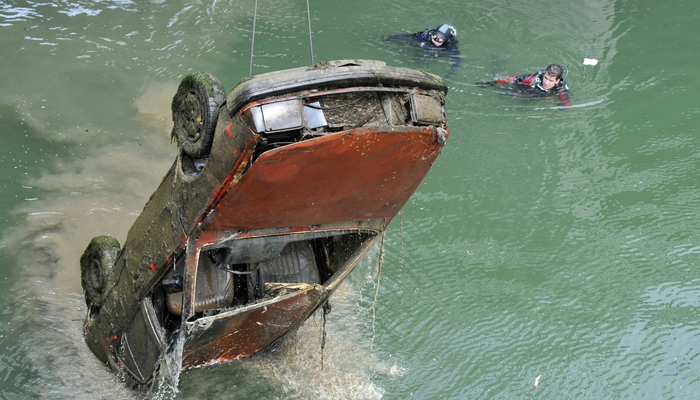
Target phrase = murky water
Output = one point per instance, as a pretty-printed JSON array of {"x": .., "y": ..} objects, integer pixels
[{"x": 559, "y": 244}]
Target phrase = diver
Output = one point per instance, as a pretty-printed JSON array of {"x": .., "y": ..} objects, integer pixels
[
  {"x": 545, "y": 81},
  {"x": 442, "y": 38}
]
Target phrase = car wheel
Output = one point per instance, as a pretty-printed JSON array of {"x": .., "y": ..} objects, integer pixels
[
  {"x": 195, "y": 109},
  {"x": 97, "y": 260}
]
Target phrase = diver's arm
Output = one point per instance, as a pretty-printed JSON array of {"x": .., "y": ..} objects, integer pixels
[
  {"x": 496, "y": 82},
  {"x": 399, "y": 36},
  {"x": 564, "y": 97},
  {"x": 416, "y": 35},
  {"x": 510, "y": 79},
  {"x": 522, "y": 79},
  {"x": 562, "y": 91},
  {"x": 525, "y": 79}
]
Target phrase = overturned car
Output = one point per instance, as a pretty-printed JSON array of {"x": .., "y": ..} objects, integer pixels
[{"x": 278, "y": 191}]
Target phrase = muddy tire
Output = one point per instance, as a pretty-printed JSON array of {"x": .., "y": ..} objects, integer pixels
[
  {"x": 195, "y": 109},
  {"x": 95, "y": 264}
]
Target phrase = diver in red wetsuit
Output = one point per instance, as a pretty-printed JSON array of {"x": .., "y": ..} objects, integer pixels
[{"x": 547, "y": 81}]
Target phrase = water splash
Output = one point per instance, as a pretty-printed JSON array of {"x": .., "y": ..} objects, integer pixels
[
  {"x": 348, "y": 365},
  {"x": 89, "y": 196},
  {"x": 171, "y": 367},
  {"x": 376, "y": 292}
]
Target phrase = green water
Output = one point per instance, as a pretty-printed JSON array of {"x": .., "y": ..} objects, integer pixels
[{"x": 550, "y": 243}]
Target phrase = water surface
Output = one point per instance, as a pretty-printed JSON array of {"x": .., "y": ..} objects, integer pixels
[{"x": 550, "y": 243}]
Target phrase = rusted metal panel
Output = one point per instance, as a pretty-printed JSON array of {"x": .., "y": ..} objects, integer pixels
[
  {"x": 245, "y": 332},
  {"x": 357, "y": 174}
]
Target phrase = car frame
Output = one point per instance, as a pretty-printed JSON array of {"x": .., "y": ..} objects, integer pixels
[{"x": 278, "y": 191}]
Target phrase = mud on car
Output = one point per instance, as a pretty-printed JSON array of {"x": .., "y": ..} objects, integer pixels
[{"x": 277, "y": 192}]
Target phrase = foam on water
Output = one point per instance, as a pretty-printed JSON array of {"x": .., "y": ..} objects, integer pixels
[{"x": 97, "y": 195}]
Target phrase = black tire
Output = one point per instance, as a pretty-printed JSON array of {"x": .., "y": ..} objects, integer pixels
[
  {"x": 195, "y": 109},
  {"x": 95, "y": 263}
]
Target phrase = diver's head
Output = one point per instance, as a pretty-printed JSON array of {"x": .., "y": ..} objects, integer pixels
[
  {"x": 552, "y": 76},
  {"x": 555, "y": 70},
  {"x": 443, "y": 34}
]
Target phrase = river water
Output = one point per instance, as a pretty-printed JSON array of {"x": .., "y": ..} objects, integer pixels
[{"x": 549, "y": 253}]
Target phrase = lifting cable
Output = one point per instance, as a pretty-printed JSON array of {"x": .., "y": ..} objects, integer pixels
[
  {"x": 252, "y": 41},
  {"x": 311, "y": 45}
]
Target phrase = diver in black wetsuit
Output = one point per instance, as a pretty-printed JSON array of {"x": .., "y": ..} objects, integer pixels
[
  {"x": 546, "y": 81},
  {"x": 442, "y": 38}
]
